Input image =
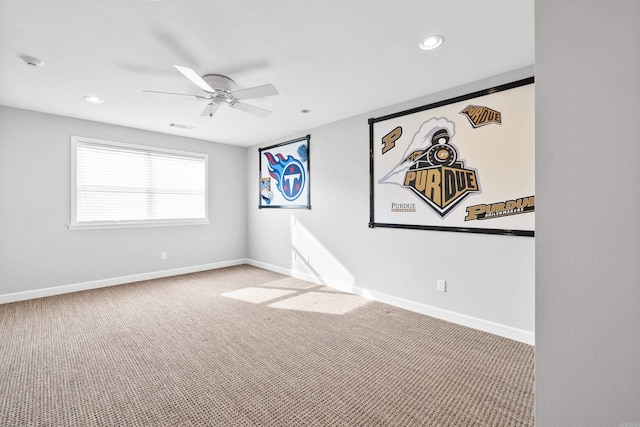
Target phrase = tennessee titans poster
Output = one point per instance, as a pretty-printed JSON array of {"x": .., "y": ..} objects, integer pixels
[
  {"x": 284, "y": 175},
  {"x": 464, "y": 164}
]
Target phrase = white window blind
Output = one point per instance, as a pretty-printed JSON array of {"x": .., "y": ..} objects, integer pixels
[{"x": 117, "y": 184}]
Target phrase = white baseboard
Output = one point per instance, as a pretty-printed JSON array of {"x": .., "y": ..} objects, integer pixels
[
  {"x": 450, "y": 316},
  {"x": 64, "y": 289},
  {"x": 462, "y": 319}
]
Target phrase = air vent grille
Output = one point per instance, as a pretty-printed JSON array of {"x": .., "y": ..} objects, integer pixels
[{"x": 180, "y": 126}]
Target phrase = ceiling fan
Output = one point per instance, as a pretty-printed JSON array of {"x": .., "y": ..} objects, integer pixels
[{"x": 221, "y": 90}]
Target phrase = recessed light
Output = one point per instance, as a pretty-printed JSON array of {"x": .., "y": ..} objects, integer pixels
[
  {"x": 31, "y": 60},
  {"x": 431, "y": 42},
  {"x": 93, "y": 99},
  {"x": 305, "y": 111}
]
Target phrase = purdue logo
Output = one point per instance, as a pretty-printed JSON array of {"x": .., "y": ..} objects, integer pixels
[
  {"x": 500, "y": 209},
  {"x": 481, "y": 116},
  {"x": 431, "y": 169}
]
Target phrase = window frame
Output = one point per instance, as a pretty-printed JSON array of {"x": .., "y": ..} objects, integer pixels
[{"x": 115, "y": 224}]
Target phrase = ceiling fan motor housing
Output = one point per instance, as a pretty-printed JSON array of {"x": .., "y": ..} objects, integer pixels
[{"x": 219, "y": 82}]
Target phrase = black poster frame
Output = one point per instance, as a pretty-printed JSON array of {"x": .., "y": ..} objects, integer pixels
[
  {"x": 307, "y": 183},
  {"x": 373, "y": 121}
]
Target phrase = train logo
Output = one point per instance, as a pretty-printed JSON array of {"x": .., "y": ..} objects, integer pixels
[{"x": 430, "y": 168}]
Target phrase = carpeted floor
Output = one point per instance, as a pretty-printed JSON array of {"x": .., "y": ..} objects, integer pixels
[{"x": 242, "y": 346}]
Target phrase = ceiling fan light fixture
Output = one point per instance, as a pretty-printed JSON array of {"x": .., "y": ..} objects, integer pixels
[
  {"x": 93, "y": 99},
  {"x": 431, "y": 42}
]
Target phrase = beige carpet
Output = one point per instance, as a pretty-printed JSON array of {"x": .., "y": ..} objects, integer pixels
[{"x": 242, "y": 346}]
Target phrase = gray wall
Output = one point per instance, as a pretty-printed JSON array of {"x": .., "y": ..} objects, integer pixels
[
  {"x": 488, "y": 277},
  {"x": 38, "y": 251},
  {"x": 588, "y": 213}
]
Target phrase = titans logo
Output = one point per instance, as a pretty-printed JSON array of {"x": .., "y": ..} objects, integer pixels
[{"x": 288, "y": 174}]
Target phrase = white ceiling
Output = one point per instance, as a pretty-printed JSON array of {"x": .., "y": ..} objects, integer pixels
[{"x": 336, "y": 58}]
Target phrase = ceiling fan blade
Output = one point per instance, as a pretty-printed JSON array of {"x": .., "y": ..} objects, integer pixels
[
  {"x": 173, "y": 93},
  {"x": 195, "y": 78},
  {"x": 255, "y": 92},
  {"x": 209, "y": 110},
  {"x": 250, "y": 109}
]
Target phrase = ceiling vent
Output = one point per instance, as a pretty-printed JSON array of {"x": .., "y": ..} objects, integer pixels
[
  {"x": 180, "y": 126},
  {"x": 32, "y": 61}
]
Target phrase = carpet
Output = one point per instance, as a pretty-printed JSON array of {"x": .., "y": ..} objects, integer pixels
[{"x": 242, "y": 346}]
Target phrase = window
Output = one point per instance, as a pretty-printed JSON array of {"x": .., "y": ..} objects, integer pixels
[{"x": 116, "y": 185}]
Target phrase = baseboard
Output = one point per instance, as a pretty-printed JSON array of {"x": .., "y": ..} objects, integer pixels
[
  {"x": 462, "y": 319},
  {"x": 450, "y": 316},
  {"x": 64, "y": 289}
]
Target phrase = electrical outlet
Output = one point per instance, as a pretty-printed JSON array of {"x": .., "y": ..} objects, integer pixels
[
  {"x": 442, "y": 285},
  {"x": 163, "y": 255},
  {"x": 293, "y": 255}
]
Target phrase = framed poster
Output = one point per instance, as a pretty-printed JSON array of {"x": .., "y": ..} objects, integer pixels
[
  {"x": 284, "y": 175},
  {"x": 464, "y": 164}
]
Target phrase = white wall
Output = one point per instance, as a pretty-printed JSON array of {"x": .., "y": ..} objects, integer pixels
[
  {"x": 38, "y": 251},
  {"x": 588, "y": 213},
  {"x": 490, "y": 278}
]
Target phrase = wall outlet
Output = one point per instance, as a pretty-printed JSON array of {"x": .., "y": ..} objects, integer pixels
[
  {"x": 442, "y": 285},
  {"x": 163, "y": 255},
  {"x": 293, "y": 255}
]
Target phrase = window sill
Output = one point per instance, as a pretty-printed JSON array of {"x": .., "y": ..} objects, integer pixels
[{"x": 133, "y": 224}]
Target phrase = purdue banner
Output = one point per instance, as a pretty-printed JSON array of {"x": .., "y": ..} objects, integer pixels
[{"x": 464, "y": 164}]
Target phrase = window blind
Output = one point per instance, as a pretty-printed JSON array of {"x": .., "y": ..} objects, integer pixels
[{"x": 118, "y": 183}]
